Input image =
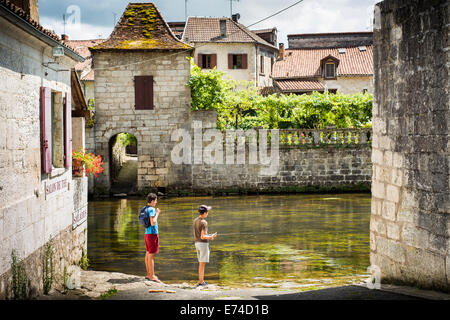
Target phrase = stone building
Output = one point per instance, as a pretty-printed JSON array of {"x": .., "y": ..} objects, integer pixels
[
  {"x": 232, "y": 48},
  {"x": 39, "y": 198},
  {"x": 410, "y": 221},
  {"x": 141, "y": 72},
  {"x": 325, "y": 62}
]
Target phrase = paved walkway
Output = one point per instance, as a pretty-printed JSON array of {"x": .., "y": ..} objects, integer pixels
[{"x": 119, "y": 286}]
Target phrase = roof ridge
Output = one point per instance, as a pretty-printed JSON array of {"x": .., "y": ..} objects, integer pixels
[{"x": 142, "y": 27}]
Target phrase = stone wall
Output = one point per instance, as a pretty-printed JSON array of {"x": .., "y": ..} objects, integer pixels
[
  {"x": 115, "y": 112},
  {"x": 29, "y": 215},
  {"x": 339, "y": 160},
  {"x": 410, "y": 221}
]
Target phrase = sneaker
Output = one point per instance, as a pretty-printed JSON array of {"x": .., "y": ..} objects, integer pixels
[{"x": 202, "y": 284}]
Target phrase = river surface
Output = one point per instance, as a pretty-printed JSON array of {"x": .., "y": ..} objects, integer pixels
[{"x": 286, "y": 241}]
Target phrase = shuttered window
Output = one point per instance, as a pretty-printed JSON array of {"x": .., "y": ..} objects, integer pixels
[
  {"x": 46, "y": 129},
  {"x": 67, "y": 130},
  {"x": 207, "y": 61},
  {"x": 237, "y": 61},
  {"x": 56, "y": 129},
  {"x": 143, "y": 92}
]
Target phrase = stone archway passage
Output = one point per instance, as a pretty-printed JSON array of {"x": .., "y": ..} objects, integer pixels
[{"x": 123, "y": 163}]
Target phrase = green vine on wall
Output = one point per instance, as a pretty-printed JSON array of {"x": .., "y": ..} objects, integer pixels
[
  {"x": 20, "y": 281},
  {"x": 48, "y": 267}
]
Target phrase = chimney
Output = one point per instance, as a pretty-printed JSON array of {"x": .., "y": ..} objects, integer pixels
[
  {"x": 235, "y": 17},
  {"x": 30, "y": 7},
  {"x": 65, "y": 37},
  {"x": 281, "y": 53},
  {"x": 223, "y": 28}
]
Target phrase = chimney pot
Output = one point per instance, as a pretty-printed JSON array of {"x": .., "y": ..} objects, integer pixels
[{"x": 281, "y": 53}]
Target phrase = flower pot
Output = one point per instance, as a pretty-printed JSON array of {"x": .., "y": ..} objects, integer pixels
[{"x": 77, "y": 168}]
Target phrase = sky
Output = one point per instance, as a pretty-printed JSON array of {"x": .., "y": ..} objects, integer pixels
[{"x": 93, "y": 19}]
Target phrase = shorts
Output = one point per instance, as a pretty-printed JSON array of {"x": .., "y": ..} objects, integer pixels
[
  {"x": 151, "y": 243},
  {"x": 202, "y": 251}
]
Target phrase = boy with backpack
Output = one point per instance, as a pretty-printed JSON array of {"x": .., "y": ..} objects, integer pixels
[{"x": 149, "y": 218}]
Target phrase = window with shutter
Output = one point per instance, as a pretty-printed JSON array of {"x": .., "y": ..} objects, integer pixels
[
  {"x": 143, "y": 92},
  {"x": 46, "y": 129},
  {"x": 237, "y": 61},
  {"x": 207, "y": 61},
  {"x": 67, "y": 131}
]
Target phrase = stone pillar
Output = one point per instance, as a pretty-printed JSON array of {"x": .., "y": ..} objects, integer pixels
[{"x": 409, "y": 228}]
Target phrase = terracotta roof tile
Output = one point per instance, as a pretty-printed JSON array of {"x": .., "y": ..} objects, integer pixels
[
  {"x": 203, "y": 29},
  {"x": 305, "y": 63},
  {"x": 142, "y": 27},
  {"x": 299, "y": 85},
  {"x": 82, "y": 48}
]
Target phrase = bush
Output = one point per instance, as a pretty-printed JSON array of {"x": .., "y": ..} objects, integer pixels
[{"x": 239, "y": 105}]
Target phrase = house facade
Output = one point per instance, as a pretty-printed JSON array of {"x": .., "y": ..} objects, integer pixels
[
  {"x": 232, "y": 48},
  {"x": 41, "y": 204},
  {"x": 141, "y": 72},
  {"x": 325, "y": 62}
]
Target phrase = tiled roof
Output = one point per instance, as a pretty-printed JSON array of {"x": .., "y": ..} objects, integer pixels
[
  {"x": 82, "y": 48},
  {"x": 17, "y": 11},
  {"x": 142, "y": 27},
  {"x": 203, "y": 29},
  {"x": 299, "y": 85},
  {"x": 305, "y": 63}
]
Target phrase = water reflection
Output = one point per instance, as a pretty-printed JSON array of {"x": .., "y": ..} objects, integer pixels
[{"x": 261, "y": 239}]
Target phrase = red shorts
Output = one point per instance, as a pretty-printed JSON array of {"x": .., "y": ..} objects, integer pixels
[{"x": 151, "y": 243}]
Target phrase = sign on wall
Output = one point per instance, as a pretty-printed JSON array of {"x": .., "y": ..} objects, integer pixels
[
  {"x": 55, "y": 187},
  {"x": 79, "y": 216}
]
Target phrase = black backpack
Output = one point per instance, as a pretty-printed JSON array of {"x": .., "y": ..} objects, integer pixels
[{"x": 144, "y": 217}]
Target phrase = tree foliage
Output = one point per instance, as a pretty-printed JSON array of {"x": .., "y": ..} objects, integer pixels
[{"x": 240, "y": 106}]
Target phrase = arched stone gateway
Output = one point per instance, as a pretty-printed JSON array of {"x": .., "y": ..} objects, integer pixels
[
  {"x": 123, "y": 163},
  {"x": 410, "y": 221}
]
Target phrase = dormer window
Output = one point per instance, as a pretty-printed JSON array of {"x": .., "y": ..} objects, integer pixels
[
  {"x": 330, "y": 70},
  {"x": 329, "y": 66}
]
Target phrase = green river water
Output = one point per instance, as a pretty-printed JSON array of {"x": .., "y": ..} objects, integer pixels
[{"x": 285, "y": 241}]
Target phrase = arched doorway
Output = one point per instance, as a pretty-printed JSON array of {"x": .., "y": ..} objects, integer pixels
[{"x": 123, "y": 163}]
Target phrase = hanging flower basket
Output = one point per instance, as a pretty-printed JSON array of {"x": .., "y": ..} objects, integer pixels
[{"x": 88, "y": 163}]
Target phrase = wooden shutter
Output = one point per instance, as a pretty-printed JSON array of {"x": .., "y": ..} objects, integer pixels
[
  {"x": 213, "y": 60},
  {"x": 200, "y": 60},
  {"x": 143, "y": 92},
  {"x": 46, "y": 129},
  {"x": 244, "y": 61},
  {"x": 67, "y": 130},
  {"x": 230, "y": 61}
]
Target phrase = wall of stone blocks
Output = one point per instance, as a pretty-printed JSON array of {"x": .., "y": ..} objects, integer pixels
[
  {"x": 115, "y": 111},
  {"x": 28, "y": 219},
  {"x": 300, "y": 169},
  {"x": 410, "y": 220}
]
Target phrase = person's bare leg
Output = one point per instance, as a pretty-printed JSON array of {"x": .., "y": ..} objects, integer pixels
[
  {"x": 201, "y": 272},
  {"x": 146, "y": 263}
]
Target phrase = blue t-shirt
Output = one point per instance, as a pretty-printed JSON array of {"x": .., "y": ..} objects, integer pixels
[{"x": 152, "y": 229}]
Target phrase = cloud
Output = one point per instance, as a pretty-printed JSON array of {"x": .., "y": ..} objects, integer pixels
[
  {"x": 310, "y": 16},
  {"x": 81, "y": 31}
]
